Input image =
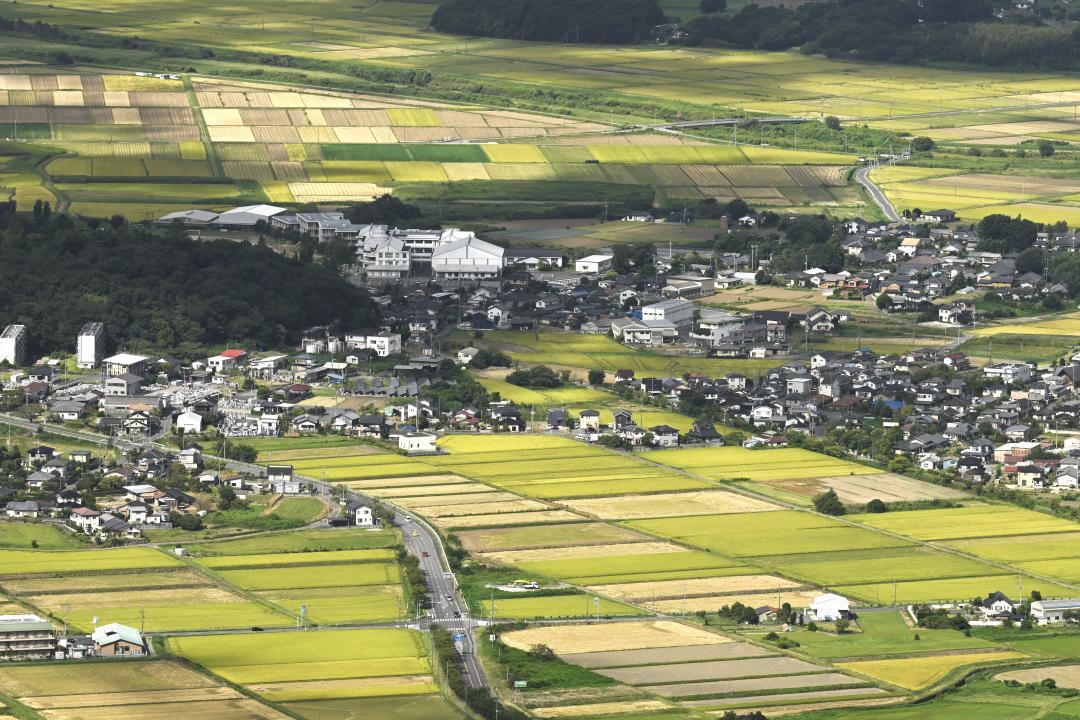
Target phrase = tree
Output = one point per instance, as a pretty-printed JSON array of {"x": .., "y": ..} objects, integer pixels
[
  {"x": 832, "y": 122},
  {"x": 884, "y": 302},
  {"x": 712, "y": 6},
  {"x": 1030, "y": 260},
  {"x": 540, "y": 376},
  {"x": 842, "y": 625},
  {"x": 876, "y": 506},
  {"x": 828, "y": 503},
  {"x": 1046, "y": 149},
  {"x": 542, "y": 653},
  {"x": 596, "y": 377},
  {"x": 922, "y": 144},
  {"x": 226, "y": 497}
]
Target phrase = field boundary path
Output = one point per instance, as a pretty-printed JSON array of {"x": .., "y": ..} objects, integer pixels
[
  {"x": 204, "y": 132},
  {"x": 862, "y": 176}
]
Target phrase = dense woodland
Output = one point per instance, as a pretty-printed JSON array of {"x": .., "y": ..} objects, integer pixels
[
  {"x": 587, "y": 21},
  {"x": 901, "y": 31},
  {"x": 159, "y": 290}
]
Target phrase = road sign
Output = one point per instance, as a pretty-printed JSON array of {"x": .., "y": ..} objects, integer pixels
[
  {"x": 521, "y": 684},
  {"x": 458, "y": 637}
]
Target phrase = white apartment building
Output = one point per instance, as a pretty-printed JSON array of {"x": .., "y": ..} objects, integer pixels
[
  {"x": 13, "y": 344},
  {"x": 88, "y": 350},
  {"x": 125, "y": 364},
  {"x": 384, "y": 344},
  {"x": 677, "y": 311}
]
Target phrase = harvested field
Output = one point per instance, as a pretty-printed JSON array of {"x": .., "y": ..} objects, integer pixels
[
  {"x": 547, "y": 537},
  {"x": 351, "y": 687},
  {"x": 613, "y": 550},
  {"x": 861, "y": 489},
  {"x": 80, "y": 679},
  {"x": 736, "y": 585},
  {"x": 784, "y": 698},
  {"x": 659, "y": 656},
  {"x": 426, "y": 490},
  {"x": 605, "y": 709},
  {"x": 710, "y": 670},
  {"x": 633, "y": 507},
  {"x": 567, "y": 640},
  {"x": 384, "y": 483},
  {"x": 479, "y": 496},
  {"x": 504, "y": 519},
  {"x": 724, "y": 687},
  {"x": 509, "y": 506},
  {"x": 1066, "y": 676},
  {"x": 234, "y": 709},
  {"x": 141, "y": 697}
]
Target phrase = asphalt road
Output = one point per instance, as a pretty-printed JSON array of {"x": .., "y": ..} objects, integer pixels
[
  {"x": 448, "y": 606},
  {"x": 862, "y": 176}
]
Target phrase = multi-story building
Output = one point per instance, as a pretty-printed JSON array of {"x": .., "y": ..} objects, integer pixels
[
  {"x": 26, "y": 637},
  {"x": 89, "y": 345},
  {"x": 677, "y": 311},
  {"x": 125, "y": 364},
  {"x": 13, "y": 344},
  {"x": 467, "y": 259}
]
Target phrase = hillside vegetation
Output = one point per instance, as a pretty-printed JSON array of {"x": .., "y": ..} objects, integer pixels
[
  {"x": 162, "y": 291},
  {"x": 588, "y": 21}
]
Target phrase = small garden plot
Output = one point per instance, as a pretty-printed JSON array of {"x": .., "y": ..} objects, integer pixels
[
  {"x": 313, "y": 576},
  {"x": 731, "y": 585},
  {"x": 547, "y": 536},
  {"x": 633, "y": 507},
  {"x": 710, "y": 670},
  {"x": 506, "y": 519},
  {"x": 638, "y": 635},
  {"x": 967, "y": 522},
  {"x": 557, "y": 606},
  {"x": 922, "y": 672},
  {"x": 951, "y": 589},
  {"x": 29, "y": 562}
]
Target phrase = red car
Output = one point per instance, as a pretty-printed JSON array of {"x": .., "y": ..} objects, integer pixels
[{"x": 426, "y": 555}]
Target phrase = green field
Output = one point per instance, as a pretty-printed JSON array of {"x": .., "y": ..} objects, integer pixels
[
  {"x": 26, "y": 534},
  {"x": 301, "y": 541},
  {"x": 883, "y": 633},
  {"x": 968, "y": 522},
  {"x": 729, "y": 463},
  {"x": 313, "y": 576},
  {"x": 21, "y": 562}
]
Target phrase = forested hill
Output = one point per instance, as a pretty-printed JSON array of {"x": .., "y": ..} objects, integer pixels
[
  {"x": 587, "y": 21},
  {"x": 900, "y": 31},
  {"x": 164, "y": 292}
]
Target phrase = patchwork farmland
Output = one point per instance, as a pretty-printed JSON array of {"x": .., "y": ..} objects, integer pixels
[
  {"x": 139, "y": 145},
  {"x": 350, "y": 673}
]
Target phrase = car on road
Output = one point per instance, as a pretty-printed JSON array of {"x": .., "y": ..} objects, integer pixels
[
  {"x": 426, "y": 554},
  {"x": 415, "y": 534},
  {"x": 457, "y": 613},
  {"x": 448, "y": 596},
  {"x": 408, "y": 519}
]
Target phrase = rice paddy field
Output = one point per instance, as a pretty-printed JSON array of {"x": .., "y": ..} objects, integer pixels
[
  {"x": 1042, "y": 198},
  {"x": 581, "y": 353},
  {"x": 690, "y": 668},
  {"x": 140, "y": 145},
  {"x": 348, "y": 670},
  {"x": 138, "y": 690}
]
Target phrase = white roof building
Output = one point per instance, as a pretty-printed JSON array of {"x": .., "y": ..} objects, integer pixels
[
  {"x": 829, "y": 607},
  {"x": 467, "y": 258}
]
